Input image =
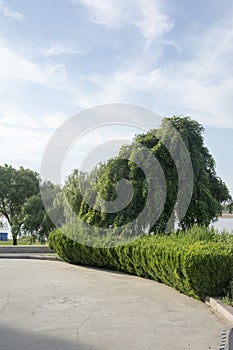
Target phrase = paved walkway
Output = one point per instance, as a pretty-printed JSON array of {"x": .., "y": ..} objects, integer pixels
[{"x": 52, "y": 305}]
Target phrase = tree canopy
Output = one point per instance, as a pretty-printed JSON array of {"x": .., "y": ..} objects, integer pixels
[
  {"x": 208, "y": 190},
  {"x": 16, "y": 187},
  {"x": 116, "y": 192},
  {"x": 21, "y": 203},
  {"x": 35, "y": 218}
]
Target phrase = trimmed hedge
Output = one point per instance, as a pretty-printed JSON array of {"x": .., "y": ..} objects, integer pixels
[{"x": 198, "y": 262}]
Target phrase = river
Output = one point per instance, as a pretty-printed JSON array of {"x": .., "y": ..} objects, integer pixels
[{"x": 224, "y": 224}]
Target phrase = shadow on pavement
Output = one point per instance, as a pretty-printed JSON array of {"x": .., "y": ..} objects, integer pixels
[{"x": 15, "y": 339}]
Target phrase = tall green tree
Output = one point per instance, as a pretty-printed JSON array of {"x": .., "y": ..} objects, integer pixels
[
  {"x": 37, "y": 221},
  {"x": 16, "y": 187},
  {"x": 208, "y": 190}
]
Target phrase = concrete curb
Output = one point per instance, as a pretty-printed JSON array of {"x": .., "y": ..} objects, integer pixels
[
  {"x": 28, "y": 252},
  {"x": 30, "y": 256},
  {"x": 225, "y": 311},
  {"x": 24, "y": 249}
]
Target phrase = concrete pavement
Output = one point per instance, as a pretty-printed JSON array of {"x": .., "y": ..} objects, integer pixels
[
  {"x": 27, "y": 252},
  {"x": 56, "y": 306}
]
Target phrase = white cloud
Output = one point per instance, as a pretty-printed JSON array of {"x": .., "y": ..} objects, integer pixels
[
  {"x": 147, "y": 15},
  {"x": 9, "y": 12},
  {"x": 109, "y": 13},
  {"x": 200, "y": 86},
  {"x": 152, "y": 21},
  {"x": 57, "y": 50},
  {"x": 204, "y": 84},
  {"x": 24, "y": 137},
  {"x": 21, "y": 144},
  {"x": 15, "y": 67},
  {"x": 13, "y": 118}
]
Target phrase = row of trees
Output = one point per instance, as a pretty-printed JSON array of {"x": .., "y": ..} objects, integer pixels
[
  {"x": 21, "y": 203},
  {"x": 22, "y": 206}
]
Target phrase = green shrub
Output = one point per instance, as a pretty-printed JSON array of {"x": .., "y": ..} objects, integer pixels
[{"x": 198, "y": 262}]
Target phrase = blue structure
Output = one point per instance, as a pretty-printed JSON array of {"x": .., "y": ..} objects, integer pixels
[{"x": 3, "y": 236}]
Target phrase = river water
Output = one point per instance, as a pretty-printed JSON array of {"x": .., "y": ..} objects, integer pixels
[{"x": 224, "y": 224}]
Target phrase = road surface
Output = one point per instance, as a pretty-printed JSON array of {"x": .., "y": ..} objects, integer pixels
[{"x": 49, "y": 305}]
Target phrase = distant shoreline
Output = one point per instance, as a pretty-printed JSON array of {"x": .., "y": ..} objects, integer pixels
[{"x": 226, "y": 216}]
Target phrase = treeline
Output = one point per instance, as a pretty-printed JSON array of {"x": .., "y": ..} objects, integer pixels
[
  {"x": 101, "y": 186},
  {"x": 104, "y": 198},
  {"x": 21, "y": 203}
]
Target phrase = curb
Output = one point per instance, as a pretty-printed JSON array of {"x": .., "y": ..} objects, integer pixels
[
  {"x": 225, "y": 311},
  {"x": 25, "y": 249},
  {"x": 30, "y": 256}
]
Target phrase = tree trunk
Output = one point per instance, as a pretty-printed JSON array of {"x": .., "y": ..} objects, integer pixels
[
  {"x": 171, "y": 223},
  {"x": 14, "y": 240}
]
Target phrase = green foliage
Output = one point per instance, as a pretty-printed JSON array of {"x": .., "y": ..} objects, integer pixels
[
  {"x": 21, "y": 203},
  {"x": 229, "y": 297},
  {"x": 33, "y": 215},
  {"x": 208, "y": 192},
  {"x": 35, "y": 219},
  {"x": 197, "y": 262},
  {"x": 16, "y": 187}
]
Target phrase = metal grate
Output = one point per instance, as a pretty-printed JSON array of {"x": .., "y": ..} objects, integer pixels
[{"x": 223, "y": 340}]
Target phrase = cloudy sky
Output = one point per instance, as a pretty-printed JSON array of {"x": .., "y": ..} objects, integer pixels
[{"x": 60, "y": 57}]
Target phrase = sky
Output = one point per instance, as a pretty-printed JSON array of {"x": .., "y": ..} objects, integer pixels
[{"x": 60, "y": 57}]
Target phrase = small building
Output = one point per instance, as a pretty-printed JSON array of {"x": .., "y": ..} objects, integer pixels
[{"x": 3, "y": 236}]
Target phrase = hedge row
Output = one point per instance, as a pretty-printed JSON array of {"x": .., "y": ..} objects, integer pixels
[{"x": 198, "y": 262}]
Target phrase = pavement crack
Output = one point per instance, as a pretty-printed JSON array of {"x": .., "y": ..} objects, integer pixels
[
  {"x": 7, "y": 299},
  {"x": 85, "y": 321}
]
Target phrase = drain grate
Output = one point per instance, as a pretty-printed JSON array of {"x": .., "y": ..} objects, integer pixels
[
  {"x": 223, "y": 340},
  {"x": 226, "y": 340}
]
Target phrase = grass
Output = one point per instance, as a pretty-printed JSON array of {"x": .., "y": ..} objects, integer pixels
[{"x": 226, "y": 300}]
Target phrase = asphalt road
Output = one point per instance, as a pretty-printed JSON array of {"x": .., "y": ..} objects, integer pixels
[{"x": 48, "y": 305}]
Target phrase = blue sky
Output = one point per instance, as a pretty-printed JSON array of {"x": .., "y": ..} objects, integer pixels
[{"x": 60, "y": 57}]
